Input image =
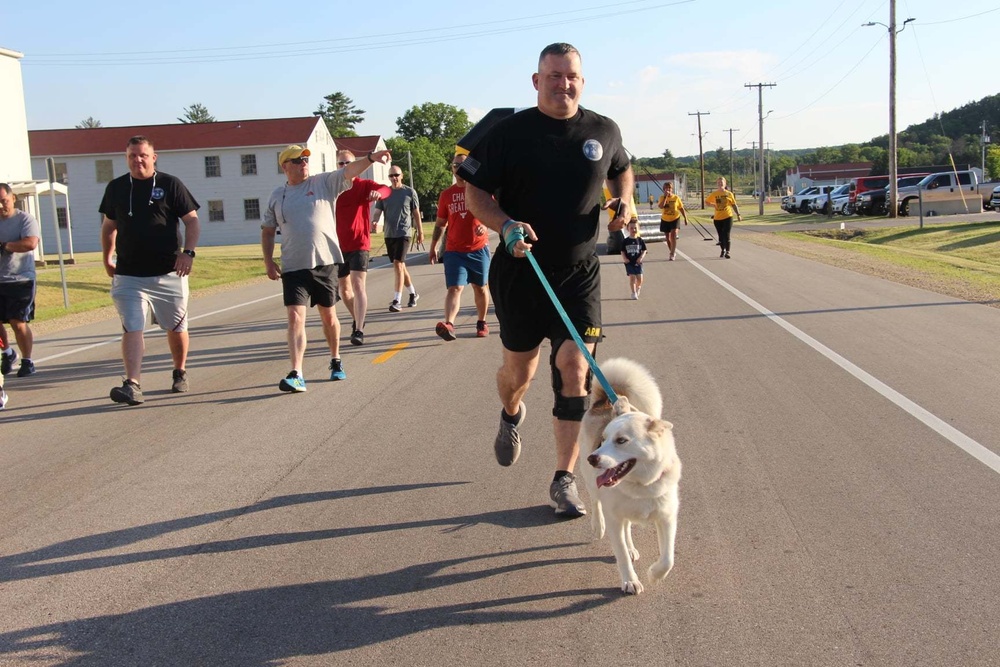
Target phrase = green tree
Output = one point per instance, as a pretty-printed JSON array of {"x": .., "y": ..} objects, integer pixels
[
  {"x": 196, "y": 113},
  {"x": 340, "y": 115},
  {"x": 435, "y": 121},
  {"x": 88, "y": 122},
  {"x": 431, "y": 171},
  {"x": 992, "y": 162}
]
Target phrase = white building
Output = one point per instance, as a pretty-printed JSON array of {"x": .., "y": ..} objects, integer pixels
[
  {"x": 230, "y": 167},
  {"x": 14, "y": 161}
]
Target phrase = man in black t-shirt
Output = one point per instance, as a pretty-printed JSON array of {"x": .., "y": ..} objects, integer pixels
[
  {"x": 546, "y": 167},
  {"x": 141, "y": 211}
]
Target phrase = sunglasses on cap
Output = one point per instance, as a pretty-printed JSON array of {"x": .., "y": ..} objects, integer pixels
[{"x": 299, "y": 160}]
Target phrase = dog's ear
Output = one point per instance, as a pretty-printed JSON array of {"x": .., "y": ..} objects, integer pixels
[
  {"x": 657, "y": 427},
  {"x": 623, "y": 406}
]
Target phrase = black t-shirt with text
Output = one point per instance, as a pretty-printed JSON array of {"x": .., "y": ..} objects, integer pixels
[
  {"x": 550, "y": 173},
  {"x": 633, "y": 248},
  {"x": 148, "y": 239}
]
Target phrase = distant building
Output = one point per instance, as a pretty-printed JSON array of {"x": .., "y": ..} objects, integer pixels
[
  {"x": 647, "y": 184},
  {"x": 808, "y": 175},
  {"x": 230, "y": 167}
]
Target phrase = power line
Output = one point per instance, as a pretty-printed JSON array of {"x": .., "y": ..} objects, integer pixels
[{"x": 341, "y": 45}]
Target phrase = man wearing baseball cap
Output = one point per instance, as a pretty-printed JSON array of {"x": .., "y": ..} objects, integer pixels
[{"x": 303, "y": 209}]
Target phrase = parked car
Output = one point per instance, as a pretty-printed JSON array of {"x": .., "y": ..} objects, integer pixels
[
  {"x": 863, "y": 184},
  {"x": 875, "y": 202},
  {"x": 835, "y": 197},
  {"x": 791, "y": 204},
  {"x": 943, "y": 186},
  {"x": 995, "y": 199}
]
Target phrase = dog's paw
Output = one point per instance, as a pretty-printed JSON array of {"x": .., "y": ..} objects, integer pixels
[
  {"x": 633, "y": 587},
  {"x": 660, "y": 569}
]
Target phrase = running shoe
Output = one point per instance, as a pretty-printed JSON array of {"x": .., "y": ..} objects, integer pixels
[
  {"x": 445, "y": 330},
  {"x": 507, "y": 446},
  {"x": 337, "y": 370},
  {"x": 394, "y": 307},
  {"x": 293, "y": 382},
  {"x": 3, "y": 398},
  {"x": 413, "y": 300},
  {"x": 129, "y": 392},
  {"x": 7, "y": 361},
  {"x": 482, "y": 331},
  {"x": 180, "y": 384},
  {"x": 358, "y": 337},
  {"x": 566, "y": 498},
  {"x": 27, "y": 368}
]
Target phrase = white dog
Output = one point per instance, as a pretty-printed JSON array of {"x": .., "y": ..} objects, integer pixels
[{"x": 633, "y": 470}]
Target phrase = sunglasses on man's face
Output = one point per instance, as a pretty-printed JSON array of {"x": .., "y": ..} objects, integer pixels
[
  {"x": 395, "y": 175},
  {"x": 343, "y": 164},
  {"x": 300, "y": 160}
]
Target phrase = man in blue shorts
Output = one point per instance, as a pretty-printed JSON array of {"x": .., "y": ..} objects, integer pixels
[
  {"x": 466, "y": 256},
  {"x": 547, "y": 167}
]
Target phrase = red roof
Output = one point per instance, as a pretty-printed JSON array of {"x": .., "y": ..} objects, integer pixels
[
  {"x": 360, "y": 146},
  {"x": 177, "y": 136},
  {"x": 643, "y": 176}
]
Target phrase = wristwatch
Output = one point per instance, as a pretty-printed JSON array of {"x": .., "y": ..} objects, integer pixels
[{"x": 189, "y": 253}]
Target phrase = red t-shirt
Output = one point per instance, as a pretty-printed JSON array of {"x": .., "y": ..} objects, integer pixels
[
  {"x": 354, "y": 215},
  {"x": 461, "y": 224}
]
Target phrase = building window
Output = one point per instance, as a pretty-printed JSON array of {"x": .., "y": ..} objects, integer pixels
[
  {"x": 216, "y": 213},
  {"x": 212, "y": 167},
  {"x": 248, "y": 165},
  {"x": 105, "y": 170},
  {"x": 62, "y": 173},
  {"x": 251, "y": 209},
  {"x": 61, "y": 212},
  {"x": 323, "y": 161}
]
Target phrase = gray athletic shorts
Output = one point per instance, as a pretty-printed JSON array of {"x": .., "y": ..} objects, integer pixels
[{"x": 167, "y": 295}]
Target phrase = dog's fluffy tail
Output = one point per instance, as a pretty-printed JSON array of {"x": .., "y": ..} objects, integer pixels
[{"x": 634, "y": 381}]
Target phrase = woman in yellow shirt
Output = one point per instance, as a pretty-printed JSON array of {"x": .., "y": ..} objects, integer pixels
[
  {"x": 672, "y": 208},
  {"x": 724, "y": 203}
]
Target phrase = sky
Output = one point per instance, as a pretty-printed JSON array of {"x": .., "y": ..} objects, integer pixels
[{"x": 648, "y": 64}]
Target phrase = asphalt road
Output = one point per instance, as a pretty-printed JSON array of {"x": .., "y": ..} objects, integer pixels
[{"x": 840, "y": 503}]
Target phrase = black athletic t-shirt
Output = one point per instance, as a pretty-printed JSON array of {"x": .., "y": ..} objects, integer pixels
[
  {"x": 550, "y": 173},
  {"x": 148, "y": 239}
]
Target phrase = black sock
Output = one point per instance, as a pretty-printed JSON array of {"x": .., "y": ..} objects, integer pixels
[
  {"x": 511, "y": 419},
  {"x": 560, "y": 474}
]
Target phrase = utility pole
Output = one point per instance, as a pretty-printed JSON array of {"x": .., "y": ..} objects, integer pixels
[
  {"x": 983, "y": 141},
  {"x": 760, "y": 120},
  {"x": 701, "y": 154},
  {"x": 730, "y": 131},
  {"x": 893, "y": 153}
]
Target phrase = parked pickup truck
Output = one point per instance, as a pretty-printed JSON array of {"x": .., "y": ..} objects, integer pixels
[
  {"x": 995, "y": 199},
  {"x": 838, "y": 197},
  {"x": 944, "y": 186},
  {"x": 801, "y": 201},
  {"x": 791, "y": 204}
]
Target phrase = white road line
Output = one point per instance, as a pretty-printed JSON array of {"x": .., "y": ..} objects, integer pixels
[
  {"x": 953, "y": 435},
  {"x": 151, "y": 330}
]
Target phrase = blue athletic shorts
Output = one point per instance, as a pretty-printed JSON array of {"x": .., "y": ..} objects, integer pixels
[{"x": 462, "y": 268}]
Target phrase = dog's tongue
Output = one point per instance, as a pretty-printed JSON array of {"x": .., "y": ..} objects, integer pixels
[{"x": 606, "y": 478}]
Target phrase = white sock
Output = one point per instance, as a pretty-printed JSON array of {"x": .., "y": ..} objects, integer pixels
[
  {"x": 412, "y": 289},
  {"x": 397, "y": 296},
  {"x": 8, "y": 351}
]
